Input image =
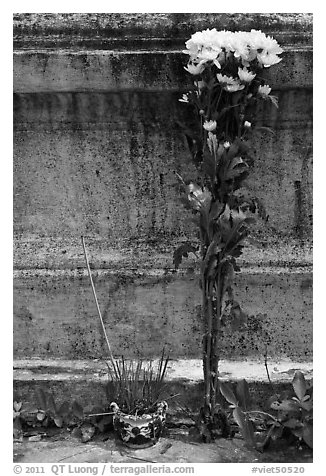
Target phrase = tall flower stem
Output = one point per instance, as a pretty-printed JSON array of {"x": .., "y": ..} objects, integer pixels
[
  {"x": 207, "y": 317},
  {"x": 216, "y": 335},
  {"x": 227, "y": 87}
]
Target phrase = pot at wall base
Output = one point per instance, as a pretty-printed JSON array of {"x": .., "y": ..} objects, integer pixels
[{"x": 140, "y": 430}]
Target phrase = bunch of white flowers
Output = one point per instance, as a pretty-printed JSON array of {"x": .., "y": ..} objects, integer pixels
[
  {"x": 212, "y": 46},
  {"x": 228, "y": 62}
]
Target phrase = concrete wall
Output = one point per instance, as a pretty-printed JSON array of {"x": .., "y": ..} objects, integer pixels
[{"x": 95, "y": 150}]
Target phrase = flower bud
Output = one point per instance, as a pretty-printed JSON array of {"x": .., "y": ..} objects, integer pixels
[{"x": 209, "y": 125}]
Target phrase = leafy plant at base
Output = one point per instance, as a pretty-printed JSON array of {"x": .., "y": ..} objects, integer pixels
[
  {"x": 227, "y": 85},
  {"x": 48, "y": 415},
  {"x": 18, "y": 420},
  {"x": 289, "y": 418}
]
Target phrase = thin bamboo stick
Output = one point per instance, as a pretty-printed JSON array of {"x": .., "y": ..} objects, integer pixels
[{"x": 97, "y": 304}]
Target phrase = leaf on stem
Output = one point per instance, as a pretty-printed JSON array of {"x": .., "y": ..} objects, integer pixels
[
  {"x": 182, "y": 252},
  {"x": 227, "y": 393},
  {"x": 17, "y": 406},
  {"x": 285, "y": 405},
  {"x": 58, "y": 421},
  {"x": 242, "y": 392},
  {"x": 299, "y": 385},
  {"x": 245, "y": 426},
  {"x": 307, "y": 434}
]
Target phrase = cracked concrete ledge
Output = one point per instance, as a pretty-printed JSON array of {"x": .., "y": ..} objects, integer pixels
[
  {"x": 182, "y": 370},
  {"x": 156, "y": 273},
  {"x": 56, "y": 255},
  {"x": 138, "y": 30}
]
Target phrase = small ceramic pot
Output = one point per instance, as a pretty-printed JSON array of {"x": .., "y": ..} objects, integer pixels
[{"x": 139, "y": 431}]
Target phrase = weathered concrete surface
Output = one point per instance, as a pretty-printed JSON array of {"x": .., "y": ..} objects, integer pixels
[
  {"x": 105, "y": 164},
  {"x": 134, "y": 30},
  {"x": 55, "y": 315},
  {"x": 95, "y": 150},
  {"x": 65, "y": 449},
  {"x": 52, "y": 71}
]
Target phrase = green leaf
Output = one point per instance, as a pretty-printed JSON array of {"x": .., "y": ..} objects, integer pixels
[
  {"x": 307, "y": 434},
  {"x": 265, "y": 129},
  {"x": 307, "y": 405},
  {"x": 17, "y": 406},
  {"x": 245, "y": 426},
  {"x": 216, "y": 209},
  {"x": 298, "y": 432},
  {"x": 233, "y": 150},
  {"x": 227, "y": 393},
  {"x": 250, "y": 220},
  {"x": 277, "y": 432},
  {"x": 299, "y": 385},
  {"x": 236, "y": 171},
  {"x": 274, "y": 100},
  {"x": 292, "y": 423},
  {"x": 58, "y": 421},
  {"x": 182, "y": 251},
  {"x": 285, "y": 405},
  {"x": 242, "y": 392}
]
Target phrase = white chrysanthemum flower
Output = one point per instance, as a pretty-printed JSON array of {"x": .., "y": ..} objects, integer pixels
[
  {"x": 225, "y": 39},
  {"x": 264, "y": 48},
  {"x": 208, "y": 54},
  {"x": 218, "y": 46},
  {"x": 232, "y": 88},
  {"x": 266, "y": 59},
  {"x": 195, "y": 69},
  {"x": 210, "y": 125},
  {"x": 224, "y": 79},
  {"x": 245, "y": 76},
  {"x": 239, "y": 45},
  {"x": 204, "y": 46},
  {"x": 229, "y": 84},
  {"x": 247, "y": 124},
  {"x": 271, "y": 46},
  {"x": 184, "y": 98},
  {"x": 264, "y": 91},
  {"x": 256, "y": 39}
]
